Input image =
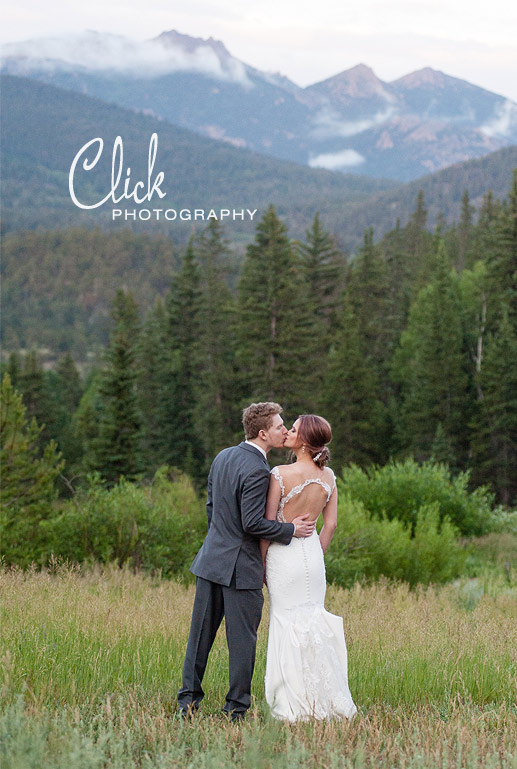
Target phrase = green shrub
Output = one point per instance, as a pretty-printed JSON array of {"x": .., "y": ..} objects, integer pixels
[
  {"x": 400, "y": 489},
  {"x": 436, "y": 555},
  {"x": 154, "y": 527},
  {"x": 503, "y": 521},
  {"x": 366, "y": 546},
  {"x": 493, "y": 553}
]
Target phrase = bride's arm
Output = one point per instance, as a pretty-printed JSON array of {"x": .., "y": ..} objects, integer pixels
[
  {"x": 329, "y": 521},
  {"x": 273, "y": 500}
]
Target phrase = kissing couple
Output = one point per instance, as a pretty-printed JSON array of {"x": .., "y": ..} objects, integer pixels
[{"x": 262, "y": 528}]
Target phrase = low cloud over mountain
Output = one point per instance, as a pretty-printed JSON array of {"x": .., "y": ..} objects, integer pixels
[
  {"x": 417, "y": 124},
  {"x": 169, "y": 53}
]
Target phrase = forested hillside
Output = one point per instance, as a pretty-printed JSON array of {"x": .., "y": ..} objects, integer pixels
[
  {"x": 58, "y": 285},
  {"x": 443, "y": 192},
  {"x": 43, "y": 128}
]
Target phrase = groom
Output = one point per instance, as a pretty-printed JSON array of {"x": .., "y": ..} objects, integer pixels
[{"x": 229, "y": 567}]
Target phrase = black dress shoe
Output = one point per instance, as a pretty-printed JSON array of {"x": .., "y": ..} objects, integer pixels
[
  {"x": 188, "y": 713},
  {"x": 237, "y": 715}
]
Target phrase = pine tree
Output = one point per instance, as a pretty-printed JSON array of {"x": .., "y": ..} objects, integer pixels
[
  {"x": 117, "y": 449},
  {"x": 442, "y": 450},
  {"x": 14, "y": 367},
  {"x": 419, "y": 245},
  {"x": 369, "y": 293},
  {"x": 465, "y": 233},
  {"x": 217, "y": 413},
  {"x": 183, "y": 305},
  {"x": 398, "y": 271},
  {"x": 66, "y": 391},
  {"x": 432, "y": 369},
  {"x": 324, "y": 265},
  {"x": 473, "y": 292},
  {"x": 69, "y": 383},
  {"x": 276, "y": 345},
  {"x": 36, "y": 396},
  {"x": 502, "y": 260},
  {"x": 356, "y": 415},
  {"x": 85, "y": 423},
  {"x": 27, "y": 479},
  {"x": 155, "y": 387},
  {"x": 495, "y": 429},
  {"x": 483, "y": 236}
]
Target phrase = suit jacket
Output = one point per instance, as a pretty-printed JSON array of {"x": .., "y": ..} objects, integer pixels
[{"x": 237, "y": 488}]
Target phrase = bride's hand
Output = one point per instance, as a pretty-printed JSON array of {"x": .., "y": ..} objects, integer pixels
[{"x": 303, "y": 527}]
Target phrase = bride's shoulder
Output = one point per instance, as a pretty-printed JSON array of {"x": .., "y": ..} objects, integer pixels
[
  {"x": 285, "y": 470},
  {"x": 328, "y": 473},
  {"x": 275, "y": 472},
  {"x": 279, "y": 470}
]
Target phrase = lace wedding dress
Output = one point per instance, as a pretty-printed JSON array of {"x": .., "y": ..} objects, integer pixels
[{"x": 306, "y": 669}]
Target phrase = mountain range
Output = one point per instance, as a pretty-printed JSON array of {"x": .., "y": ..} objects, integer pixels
[
  {"x": 352, "y": 122},
  {"x": 43, "y": 127}
]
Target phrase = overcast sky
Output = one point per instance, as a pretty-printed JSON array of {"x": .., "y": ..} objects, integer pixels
[{"x": 307, "y": 41}]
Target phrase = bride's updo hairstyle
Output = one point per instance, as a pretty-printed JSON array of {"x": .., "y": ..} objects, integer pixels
[{"x": 315, "y": 432}]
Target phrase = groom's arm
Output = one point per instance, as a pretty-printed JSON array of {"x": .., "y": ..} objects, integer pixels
[
  {"x": 272, "y": 504},
  {"x": 209, "y": 504},
  {"x": 253, "y": 503}
]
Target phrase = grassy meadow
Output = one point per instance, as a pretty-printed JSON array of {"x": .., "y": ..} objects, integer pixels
[{"x": 91, "y": 663}]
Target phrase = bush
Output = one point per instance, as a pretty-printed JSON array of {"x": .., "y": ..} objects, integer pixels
[
  {"x": 435, "y": 554},
  {"x": 154, "y": 527},
  {"x": 503, "y": 521},
  {"x": 400, "y": 489},
  {"x": 496, "y": 551},
  {"x": 366, "y": 546}
]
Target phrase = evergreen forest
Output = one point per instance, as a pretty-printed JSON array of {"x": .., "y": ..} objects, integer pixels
[{"x": 407, "y": 346}]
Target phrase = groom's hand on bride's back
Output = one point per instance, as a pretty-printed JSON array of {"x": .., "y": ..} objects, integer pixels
[{"x": 302, "y": 526}]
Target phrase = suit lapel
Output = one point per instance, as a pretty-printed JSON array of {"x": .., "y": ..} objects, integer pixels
[{"x": 255, "y": 451}]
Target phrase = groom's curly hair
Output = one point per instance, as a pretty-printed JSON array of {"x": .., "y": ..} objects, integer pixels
[{"x": 259, "y": 416}]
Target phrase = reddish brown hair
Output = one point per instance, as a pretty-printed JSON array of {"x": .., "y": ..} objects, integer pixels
[{"x": 315, "y": 432}]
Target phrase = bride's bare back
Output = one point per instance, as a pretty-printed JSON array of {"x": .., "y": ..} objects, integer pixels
[{"x": 303, "y": 493}]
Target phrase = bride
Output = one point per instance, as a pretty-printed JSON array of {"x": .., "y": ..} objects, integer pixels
[{"x": 306, "y": 669}]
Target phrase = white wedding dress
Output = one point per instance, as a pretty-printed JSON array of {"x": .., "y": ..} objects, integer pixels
[{"x": 306, "y": 669}]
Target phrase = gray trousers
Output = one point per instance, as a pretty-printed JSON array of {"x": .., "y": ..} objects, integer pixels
[{"x": 242, "y": 610}]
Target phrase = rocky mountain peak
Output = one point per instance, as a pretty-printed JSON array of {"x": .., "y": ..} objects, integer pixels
[
  {"x": 358, "y": 82},
  {"x": 360, "y": 72},
  {"x": 423, "y": 78},
  {"x": 174, "y": 39}
]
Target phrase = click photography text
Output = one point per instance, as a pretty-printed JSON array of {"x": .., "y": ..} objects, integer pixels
[{"x": 139, "y": 191}]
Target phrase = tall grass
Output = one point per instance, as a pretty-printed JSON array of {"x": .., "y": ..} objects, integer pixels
[{"x": 91, "y": 663}]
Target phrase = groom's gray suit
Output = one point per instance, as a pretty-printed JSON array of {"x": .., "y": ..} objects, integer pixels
[{"x": 229, "y": 573}]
